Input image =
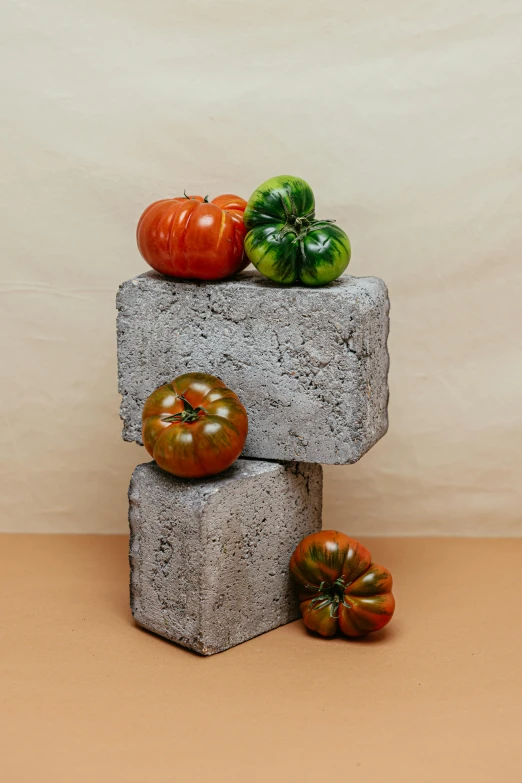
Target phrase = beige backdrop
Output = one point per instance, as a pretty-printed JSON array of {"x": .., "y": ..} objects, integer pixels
[{"x": 405, "y": 117}]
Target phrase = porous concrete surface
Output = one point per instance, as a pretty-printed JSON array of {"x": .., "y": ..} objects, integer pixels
[
  {"x": 310, "y": 365},
  {"x": 209, "y": 558}
]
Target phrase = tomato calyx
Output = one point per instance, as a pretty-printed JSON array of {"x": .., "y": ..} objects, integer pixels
[
  {"x": 300, "y": 225},
  {"x": 191, "y": 198},
  {"x": 188, "y": 414},
  {"x": 330, "y": 594}
]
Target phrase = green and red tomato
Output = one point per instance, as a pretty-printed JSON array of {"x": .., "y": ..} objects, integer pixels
[
  {"x": 339, "y": 586},
  {"x": 194, "y": 426},
  {"x": 191, "y": 237},
  {"x": 286, "y": 242}
]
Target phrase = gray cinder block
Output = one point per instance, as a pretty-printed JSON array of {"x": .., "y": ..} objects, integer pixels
[
  {"x": 209, "y": 558},
  {"x": 310, "y": 365}
]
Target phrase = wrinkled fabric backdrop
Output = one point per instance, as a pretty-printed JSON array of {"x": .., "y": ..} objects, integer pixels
[{"x": 406, "y": 118}]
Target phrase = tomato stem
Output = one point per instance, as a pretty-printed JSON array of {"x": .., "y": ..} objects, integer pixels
[
  {"x": 188, "y": 414},
  {"x": 190, "y": 198},
  {"x": 330, "y": 594},
  {"x": 299, "y": 225}
]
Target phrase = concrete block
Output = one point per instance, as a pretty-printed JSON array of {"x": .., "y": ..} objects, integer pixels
[
  {"x": 209, "y": 558},
  {"x": 310, "y": 365}
]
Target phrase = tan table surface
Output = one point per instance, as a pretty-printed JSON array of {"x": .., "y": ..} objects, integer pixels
[{"x": 87, "y": 696}]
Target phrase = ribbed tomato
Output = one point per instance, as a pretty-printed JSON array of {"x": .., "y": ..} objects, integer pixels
[
  {"x": 194, "y": 426},
  {"x": 286, "y": 242},
  {"x": 191, "y": 237},
  {"x": 340, "y": 587}
]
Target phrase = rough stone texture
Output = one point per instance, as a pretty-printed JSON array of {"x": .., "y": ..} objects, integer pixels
[
  {"x": 310, "y": 365},
  {"x": 209, "y": 559}
]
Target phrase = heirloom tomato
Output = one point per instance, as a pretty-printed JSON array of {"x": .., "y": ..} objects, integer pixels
[
  {"x": 191, "y": 237},
  {"x": 339, "y": 586},
  {"x": 286, "y": 242},
  {"x": 194, "y": 426}
]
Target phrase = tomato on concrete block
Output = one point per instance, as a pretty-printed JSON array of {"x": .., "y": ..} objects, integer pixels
[
  {"x": 194, "y": 426},
  {"x": 285, "y": 240},
  {"x": 339, "y": 586},
  {"x": 193, "y": 238}
]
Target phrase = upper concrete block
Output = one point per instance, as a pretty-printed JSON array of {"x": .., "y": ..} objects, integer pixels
[{"x": 310, "y": 365}]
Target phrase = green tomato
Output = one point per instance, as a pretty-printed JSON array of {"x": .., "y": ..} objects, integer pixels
[{"x": 285, "y": 242}]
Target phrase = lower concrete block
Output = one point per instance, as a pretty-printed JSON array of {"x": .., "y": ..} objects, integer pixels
[{"x": 209, "y": 559}]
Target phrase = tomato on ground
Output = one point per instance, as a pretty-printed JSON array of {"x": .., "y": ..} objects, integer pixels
[
  {"x": 190, "y": 237},
  {"x": 339, "y": 586},
  {"x": 194, "y": 426}
]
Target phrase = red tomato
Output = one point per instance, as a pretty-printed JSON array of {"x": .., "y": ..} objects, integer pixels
[
  {"x": 194, "y": 426},
  {"x": 191, "y": 237},
  {"x": 339, "y": 586}
]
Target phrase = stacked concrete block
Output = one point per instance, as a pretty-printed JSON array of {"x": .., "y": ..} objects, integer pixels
[
  {"x": 310, "y": 365},
  {"x": 209, "y": 559}
]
